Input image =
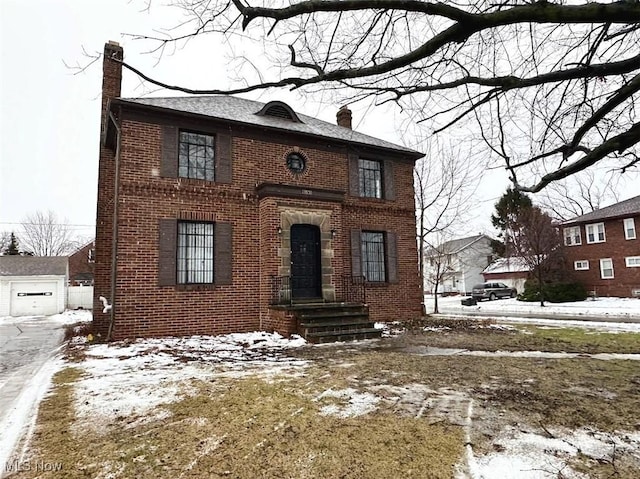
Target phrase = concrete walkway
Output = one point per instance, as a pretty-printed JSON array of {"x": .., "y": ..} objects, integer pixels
[{"x": 27, "y": 350}]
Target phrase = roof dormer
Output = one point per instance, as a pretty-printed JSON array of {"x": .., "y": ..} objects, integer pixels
[{"x": 278, "y": 109}]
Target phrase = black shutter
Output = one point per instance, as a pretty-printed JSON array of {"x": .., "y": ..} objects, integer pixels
[
  {"x": 223, "y": 158},
  {"x": 169, "y": 160},
  {"x": 222, "y": 245},
  {"x": 167, "y": 243},
  {"x": 356, "y": 253},
  {"x": 392, "y": 257},
  {"x": 354, "y": 183},
  {"x": 389, "y": 187}
]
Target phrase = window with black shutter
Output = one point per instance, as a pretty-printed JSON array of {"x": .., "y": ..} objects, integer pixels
[
  {"x": 193, "y": 252},
  {"x": 371, "y": 178},
  {"x": 196, "y": 158}
]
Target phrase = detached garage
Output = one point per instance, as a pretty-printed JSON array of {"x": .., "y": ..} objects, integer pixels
[{"x": 32, "y": 286}]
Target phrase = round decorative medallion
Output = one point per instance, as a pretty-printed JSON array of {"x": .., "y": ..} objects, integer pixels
[{"x": 296, "y": 162}]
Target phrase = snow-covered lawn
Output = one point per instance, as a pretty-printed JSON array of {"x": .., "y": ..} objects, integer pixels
[
  {"x": 606, "y": 308},
  {"x": 134, "y": 384}
]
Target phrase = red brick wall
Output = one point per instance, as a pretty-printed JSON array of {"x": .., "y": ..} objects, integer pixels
[
  {"x": 142, "y": 308},
  {"x": 79, "y": 262},
  {"x": 615, "y": 247}
]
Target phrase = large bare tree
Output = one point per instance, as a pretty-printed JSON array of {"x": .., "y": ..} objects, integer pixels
[
  {"x": 580, "y": 194},
  {"x": 444, "y": 184},
  {"x": 549, "y": 87},
  {"x": 45, "y": 235}
]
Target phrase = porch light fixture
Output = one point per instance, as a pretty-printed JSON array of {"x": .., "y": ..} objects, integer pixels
[
  {"x": 279, "y": 230},
  {"x": 333, "y": 234}
]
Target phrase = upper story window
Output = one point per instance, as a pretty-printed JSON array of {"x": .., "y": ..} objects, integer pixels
[
  {"x": 195, "y": 253},
  {"x": 370, "y": 176},
  {"x": 196, "y": 157},
  {"x": 629, "y": 229},
  {"x": 572, "y": 236},
  {"x": 595, "y": 233},
  {"x": 373, "y": 254}
]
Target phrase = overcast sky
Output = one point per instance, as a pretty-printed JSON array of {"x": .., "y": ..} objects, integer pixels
[{"x": 50, "y": 118}]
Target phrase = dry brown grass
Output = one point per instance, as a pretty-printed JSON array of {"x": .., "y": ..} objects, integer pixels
[
  {"x": 478, "y": 335},
  {"x": 253, "y": 428},
  {"x": 250, "y": 429}
]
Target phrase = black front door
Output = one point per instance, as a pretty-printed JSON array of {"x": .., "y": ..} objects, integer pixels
[{"x": 305, "y": 262}]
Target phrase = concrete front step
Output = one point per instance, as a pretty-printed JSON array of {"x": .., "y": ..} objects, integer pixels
[
  {"x": 326, "y": 322},
  {"x": 344, "y": 335}
]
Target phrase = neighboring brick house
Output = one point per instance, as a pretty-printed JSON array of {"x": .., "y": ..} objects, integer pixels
[
  {"x": 81, "y": 265},
  {"x": 603, "y": 249},
  {"x": 212, "y": 209},
  {"x": 457, "y": 264}
]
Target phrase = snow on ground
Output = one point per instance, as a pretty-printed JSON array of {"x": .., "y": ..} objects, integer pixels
[
  {"x": 619, "y": 308},
  {"x": 351, "y": 403},
  {"x": 134, "y": 379},
  {"x": 67, "y": 317},
  {"x": 524, "y": 455},
  {"x": 610, "y": 314}
]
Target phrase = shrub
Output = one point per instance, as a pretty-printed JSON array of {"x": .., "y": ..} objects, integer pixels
[{"x": 553, "y": 292}]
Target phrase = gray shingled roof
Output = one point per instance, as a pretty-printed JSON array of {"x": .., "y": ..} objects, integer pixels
[
  {"x": 33, "y": 265},
  {"x": 240, "y": 110},
  {"x": 628, "y": 207},
  {"x": 453, "y": 246}
]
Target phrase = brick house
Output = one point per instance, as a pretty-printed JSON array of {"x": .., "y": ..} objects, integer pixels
[
  {"x": 218, "y": 214},
  {"x": 603, "y": 249},
  {"x": 81, "y": 265}
]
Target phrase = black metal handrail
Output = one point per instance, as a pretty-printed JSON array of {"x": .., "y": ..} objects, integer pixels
[
  {"x": 281, "y": 290},
  {"x": 353, "y": 289}
]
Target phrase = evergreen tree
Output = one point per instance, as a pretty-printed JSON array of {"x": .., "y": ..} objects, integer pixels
[
  {"x": 509, "y": 209},
  {"x": 12, "y": 248}
]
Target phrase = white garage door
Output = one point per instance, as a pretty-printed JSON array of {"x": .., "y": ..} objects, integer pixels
[{"x": 33, "y": 298}]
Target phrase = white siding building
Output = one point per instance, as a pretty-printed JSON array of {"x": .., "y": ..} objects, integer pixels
[
  {"x": 32, "y": 286},
  {"x": 456, "y": 265}
]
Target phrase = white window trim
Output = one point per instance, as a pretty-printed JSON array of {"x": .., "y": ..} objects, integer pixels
[
  {"x": 596, "y": 238},
  {"x": 581, "y": 265},
  {"x": 629, "y": 224},
  {"x": 569, "y": 235},
  {"x": 629, "y": 260},
  {"x": 602, "y": 269}
]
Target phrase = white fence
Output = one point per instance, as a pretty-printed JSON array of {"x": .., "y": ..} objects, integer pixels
[{"x": 80, "y": 297}]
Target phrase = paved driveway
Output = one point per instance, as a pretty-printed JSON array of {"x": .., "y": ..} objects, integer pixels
[{"x": 27, "y": 347}]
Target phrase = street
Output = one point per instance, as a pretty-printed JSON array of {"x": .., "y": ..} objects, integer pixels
[{"x": 26, "y": 349}]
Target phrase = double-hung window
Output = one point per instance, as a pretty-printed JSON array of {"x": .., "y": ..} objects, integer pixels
[
  {"x": 370, "y": 178},
  {"x": 572, "y": 236},
  {"x": 606, "y": 268},
  {"x": 196, "y": 157},
  {"x": 373, "y": 254},
  {"x": 595, "y": 233},
  {"x": 629, "y": 229},
  {"x": 195, "y": 253}
]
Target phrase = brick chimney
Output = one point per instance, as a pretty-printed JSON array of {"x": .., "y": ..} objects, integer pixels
[
  {"x": 111, "y": 75},
  {"x": 344, "y": 117}
]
